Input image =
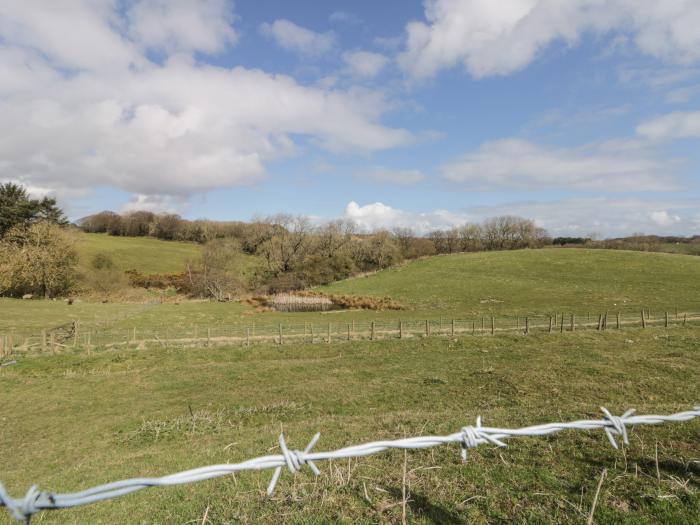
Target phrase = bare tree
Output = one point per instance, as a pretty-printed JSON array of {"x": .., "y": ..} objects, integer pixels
[{"x": 286, "y": 249}]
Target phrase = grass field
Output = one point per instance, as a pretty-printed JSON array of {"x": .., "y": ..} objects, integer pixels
[
  {"x": 465, "y": 285},
  {"x": 537, "y": 281},
  {"x": 145, "y": 254},
  {"x": 71, "y": 421}
]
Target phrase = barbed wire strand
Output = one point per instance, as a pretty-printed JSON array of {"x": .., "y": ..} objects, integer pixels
[{"x": 468, "y": 437}]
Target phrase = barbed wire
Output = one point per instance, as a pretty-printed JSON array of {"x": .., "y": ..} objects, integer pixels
[{"x": 468, "y": 437}]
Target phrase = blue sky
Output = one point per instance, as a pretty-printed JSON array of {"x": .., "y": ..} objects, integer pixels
[{"x": 584, "y": 115}]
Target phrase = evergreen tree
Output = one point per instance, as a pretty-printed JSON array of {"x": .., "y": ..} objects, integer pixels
[{"x": 17, "y": 208}]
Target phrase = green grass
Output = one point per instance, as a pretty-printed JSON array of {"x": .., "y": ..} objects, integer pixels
[
  {"x": 145, "y": 254},
  {"x": 523, "y": 282},
  {"x": 70, "y": 421},
  {"x": 546, "y": 280}
]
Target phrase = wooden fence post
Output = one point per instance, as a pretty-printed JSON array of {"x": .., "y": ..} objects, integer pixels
[
  {"x": 473, "y": 327},
  {"x": 561, "y": 327},
  {"x": 280, "y": 331},
  {"x": 400, "y": 329},
  {"x": 644, "y": 323},
  {"x": 452, "y": 330},
  {"x": 573, "y": 322},
  {"x": 348, "y": 331},
  {"x": 550, "y": 324},
  {"x": 371, "y": 333},
  {"x": 666, "y": 321},
  {"x": 493, "y": 325},
  {"x": 527, "y": 325},
  {"x": 600, "y": 322},
  {"x": 685, "y": 318}
]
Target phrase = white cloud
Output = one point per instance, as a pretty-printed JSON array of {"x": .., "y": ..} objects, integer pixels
[
  {"x": 182, "y": 25},
  {"x": 116, "y": 119},
  {"x": 391, "y": 176},
  {"x": 498, "y": 38},
  {"x": 156, "y": 203},
  {"x": 365, "y": 63},
  {"x": 380, "y": 216},
  {"x": 293, "y": 37},
  {"x": 609, "y": 217},
  {"x": 577, "y": 217},
  {"x": 519, "y": 164},
  {"x": 663, "y": 218},
  {"x": 74, "y": 34},
  {"x": 677, "y": 125}
]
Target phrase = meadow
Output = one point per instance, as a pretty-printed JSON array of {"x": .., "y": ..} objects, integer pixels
[
  {"x": 466, "y": 286},
  {"x": 145, "y": 254},
  {"x": 76, "y": 419},
  {"x": 70, "y": 421}
]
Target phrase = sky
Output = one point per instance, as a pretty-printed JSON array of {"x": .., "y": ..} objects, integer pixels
[{"x": 582, "y": 115}]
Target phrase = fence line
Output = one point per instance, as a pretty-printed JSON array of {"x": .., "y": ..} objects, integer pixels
[
  {"x": 70, "y": 335},
  {"x": 468, "y": 437}
]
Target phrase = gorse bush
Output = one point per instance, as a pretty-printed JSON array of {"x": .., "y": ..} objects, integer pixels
[{"x": 39, "y": 259}]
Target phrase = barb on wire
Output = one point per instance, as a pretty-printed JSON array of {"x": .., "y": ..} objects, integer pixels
[{"x": 468, "y": 437}]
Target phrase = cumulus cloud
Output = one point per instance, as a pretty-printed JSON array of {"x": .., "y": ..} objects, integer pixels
[
  {"x": 520, "y": 164},
  {"x": 182, "y": 25},
  {"x": 391, "y": 176},
  {"x": 576, "y": 217},
  {"x": 677, "y": 125},
  {"x": 301, "y": 40},
  {"x": 82, "y": 106},
  {"x": 377, "y": 215},
  {"x": 365, "y": 63},
  {"x": 498, "y": 38},
  {"x": 663, "y": 218}
]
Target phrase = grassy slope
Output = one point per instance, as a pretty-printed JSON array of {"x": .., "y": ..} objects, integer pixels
[
  {"x": 528, "y": 281},
  {"x": 144, "y": 254},
  {"x": 70, "y": 421},
  {"x": 538, "y": 281}
]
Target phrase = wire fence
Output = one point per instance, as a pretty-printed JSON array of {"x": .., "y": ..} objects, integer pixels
[
  {"x": 467, "y": 437},
  {"x": 73, "y": 336}
]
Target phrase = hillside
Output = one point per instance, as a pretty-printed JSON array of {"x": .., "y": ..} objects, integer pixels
[
  {"x": 537, "y": 281},
  {"x": 145, "y": 254}
]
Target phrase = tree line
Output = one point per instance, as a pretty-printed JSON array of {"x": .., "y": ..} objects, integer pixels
[{"x": 296, "y": 253}]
